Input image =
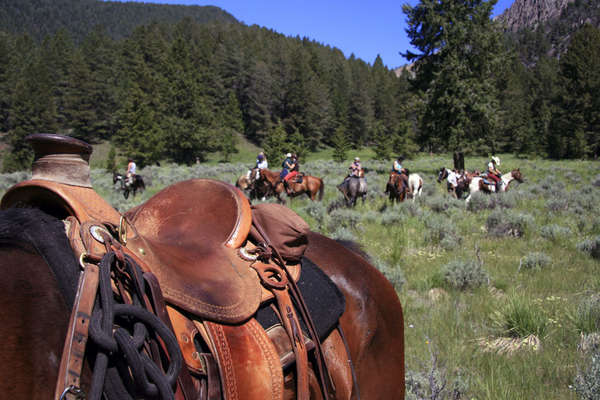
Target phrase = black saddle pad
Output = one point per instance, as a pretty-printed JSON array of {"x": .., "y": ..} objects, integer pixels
[{"x": 325, "y": 302}]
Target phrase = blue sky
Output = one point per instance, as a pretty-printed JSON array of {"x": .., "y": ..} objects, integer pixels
[{"x": 360, "y": 27}]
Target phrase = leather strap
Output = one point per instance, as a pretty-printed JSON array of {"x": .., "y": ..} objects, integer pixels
[
  {"x": 187, "y": 388},
  {"x": 275, "y": 279},
  {"x": 71, "y": 363}
]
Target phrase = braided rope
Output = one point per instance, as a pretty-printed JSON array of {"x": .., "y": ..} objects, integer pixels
[{"x": 120, "y": 333}]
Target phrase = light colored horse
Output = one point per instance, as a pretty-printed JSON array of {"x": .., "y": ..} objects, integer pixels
[
  {"x": 478, "y": 185},
  {"x": 415, "y": 184}
]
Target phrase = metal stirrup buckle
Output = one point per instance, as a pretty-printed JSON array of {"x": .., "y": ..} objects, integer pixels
[{"x": 74, "y": 390}]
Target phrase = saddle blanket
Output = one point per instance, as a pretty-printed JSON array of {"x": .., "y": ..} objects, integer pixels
[{"x": 325, "y": 302}]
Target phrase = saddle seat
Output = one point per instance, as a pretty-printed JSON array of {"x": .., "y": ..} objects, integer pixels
[{"x": 189, "y": 234}]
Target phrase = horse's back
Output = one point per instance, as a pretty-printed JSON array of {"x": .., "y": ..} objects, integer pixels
[{"x": 373, "y": 320}]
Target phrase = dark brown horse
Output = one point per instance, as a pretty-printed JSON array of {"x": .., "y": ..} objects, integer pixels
[
  {"x": 310, "y": 185},
  {"x": 397, "y": 187},
  {"x": 138, "y": 184},
  {"x": 33, "y": 309}
]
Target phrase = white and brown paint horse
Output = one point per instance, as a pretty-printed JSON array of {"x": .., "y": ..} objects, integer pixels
[{"x": 478, "y": 184}]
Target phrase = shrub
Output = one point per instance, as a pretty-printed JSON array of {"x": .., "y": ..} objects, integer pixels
[
  {"x": 464, "y": 274},
  {"x": 433, "y": 383},
  {"x": 587, "y": 381},
  {"x": 479, "y": 201},
  {"x": 343, "y": 217},
  {"x": 591, "y": 246},
  {"x": 391, "y": 216},
  {"x": 520, "y": 318},
  {"x": 317, "y": 210},
  {"x": 411, "y": 208},
  {"x": 343, "y": 233},
  {"x": 503, "y": 223},
  {"x": 554, "y": 232},
  {"x": 587, "y": 317},
  {"x": 557, "y": 204},
  {"x": 441, "y": 231},
  {"x": 535, "y": 260},
  {"x": 596, "y": 181},
  {"x": 438, "y": 203},
  {"x": 504, "y": 200}
]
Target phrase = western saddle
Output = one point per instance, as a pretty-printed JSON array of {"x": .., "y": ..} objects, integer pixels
[{"x": 195, "y": 238}]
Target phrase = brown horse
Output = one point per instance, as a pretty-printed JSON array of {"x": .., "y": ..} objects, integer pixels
[
  {"x": 310, "y": 185},
  {"x": 397, "y": 187},
  {"x": 35, "y": 314}
]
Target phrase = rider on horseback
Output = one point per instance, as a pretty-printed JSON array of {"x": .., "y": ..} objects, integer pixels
[
  {"x": 131, "y": 167},
  {"x": 398, "y": 169},
  {"x": 355, "y": 170},
  {"x": 493, "y": 172},
  {"x": 261, "y": 163},
  {"x": 288, "y": 171}
]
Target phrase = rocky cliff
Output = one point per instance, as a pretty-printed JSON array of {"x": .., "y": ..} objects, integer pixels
[{"x": 531, "y": 13}]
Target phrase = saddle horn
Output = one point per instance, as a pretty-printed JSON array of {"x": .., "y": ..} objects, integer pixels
[{"x": 61, "y": 159}]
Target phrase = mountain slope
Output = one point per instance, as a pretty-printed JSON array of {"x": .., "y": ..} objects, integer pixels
[
  {"x": 40, "y": 18},
  {"x": 530, "y": 14}
]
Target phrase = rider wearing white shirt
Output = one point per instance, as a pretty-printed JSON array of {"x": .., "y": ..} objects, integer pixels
[{"x": 131, "y": 167}]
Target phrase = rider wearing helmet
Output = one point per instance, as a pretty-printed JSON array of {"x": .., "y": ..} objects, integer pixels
[
  {"x": 493, "y": 172},
  {"x": 286, "y": 167}
]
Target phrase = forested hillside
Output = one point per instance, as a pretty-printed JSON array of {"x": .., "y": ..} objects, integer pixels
[
  {"x": 40, "y": 18},
  {"x": 176, "y": 91}
]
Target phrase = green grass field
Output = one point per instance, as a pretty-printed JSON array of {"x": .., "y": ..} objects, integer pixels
[{"x": 475, "y": 282}]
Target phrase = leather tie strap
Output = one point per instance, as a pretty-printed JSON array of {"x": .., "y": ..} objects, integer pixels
[
  {"x": 71, "y": 363},
  {"x": 274, "y": 279}
]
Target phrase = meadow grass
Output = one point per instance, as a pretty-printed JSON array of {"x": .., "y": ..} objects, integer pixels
[{"x": 534, "y": 246}]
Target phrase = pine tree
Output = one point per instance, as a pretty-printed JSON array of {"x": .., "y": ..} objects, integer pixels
[
  {"x": 459, "y": 53},
  {"x": 275, "y": 144},
  {"x": 32, "y": 111},
  {"x": 579, "y": 122},
  {"x": 341, "y": 144}
]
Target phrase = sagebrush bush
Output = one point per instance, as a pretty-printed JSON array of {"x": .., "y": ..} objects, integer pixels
[
  {"x": 480, "y": 201},
  {"x": 587, "y": 380},
  {"x": 317, "y": 210},
  {"x": 519, "y": 317},
  {"x": 591, "y": 247},
  {"x": 391, "y": 216},
  {"x": 463, "y": 275},
  {"x": 554, "y": 232},
  {"x": 437, "y": 203},
  {"x": 411, "y": 208},
  {"x": 535, "y": 260},
  {"x": 343, "y": 217},
  {"x": 504, "y": 200},
  {"x": 441, "y": 230},
  {"x": 596, "y": 181},
  {"x": 508, "y": 223},
  {"x": 557, "y": 204},
  {"x": 343, "y": 233},
  {"x": 587, "y": 316}
]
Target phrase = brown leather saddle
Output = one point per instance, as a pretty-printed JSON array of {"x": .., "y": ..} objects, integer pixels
[{"x": 190, "y": 236}]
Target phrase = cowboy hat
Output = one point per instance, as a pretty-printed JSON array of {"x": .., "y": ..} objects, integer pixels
[{"x": 496, "y": 160}]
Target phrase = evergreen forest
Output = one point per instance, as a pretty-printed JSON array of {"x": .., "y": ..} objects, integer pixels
[{"x": 175, "y": 83}]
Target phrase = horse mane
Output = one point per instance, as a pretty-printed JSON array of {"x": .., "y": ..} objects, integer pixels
[
  {"x": 47, "y": 235},
  {"x": 355, "y": 247}
]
